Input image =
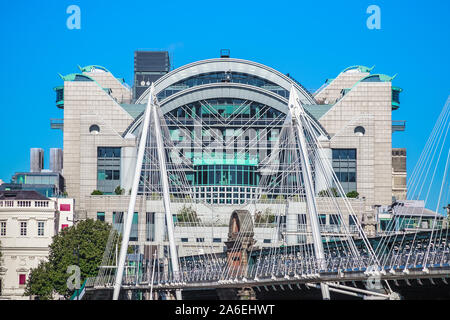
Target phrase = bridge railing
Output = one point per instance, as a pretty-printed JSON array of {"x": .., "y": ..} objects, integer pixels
[{"x": 284, "y": 265}]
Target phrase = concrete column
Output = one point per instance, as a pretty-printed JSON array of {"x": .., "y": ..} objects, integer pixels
[
  {"x": 160, "y": 227},
  {"x": 291, "y": 226},
  {"x": 127, "y": 166},
  {"x": 325, "y": 155}
]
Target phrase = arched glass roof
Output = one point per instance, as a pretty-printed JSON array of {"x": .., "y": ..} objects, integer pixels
[
  {"x": 223, "y": 76},
  {"x": 223, "y": 91},
  {"x": 242, "y": 71}
]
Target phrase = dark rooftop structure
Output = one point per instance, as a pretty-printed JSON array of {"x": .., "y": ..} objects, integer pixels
[
  {"x": 21, "y": 195},
  {"x": 149, "y": 66}
]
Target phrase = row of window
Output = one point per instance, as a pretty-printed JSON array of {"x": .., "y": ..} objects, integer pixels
[
  {"x": 226, "y": 175},
  {"x": 334, "y": 219},
  {"x": 226, "y": 108},
  {"x": 117, "y": 221},
  {"x": 348, "y": 154},
  {"x": 344, "y": 165},
  {"x": 108, "y": 152},
  {"x": 215, "y": 240},
  {"x": 221, "y": 76},
  {"x": 108, "y": 174},
  {"x": 23, "y": 228}
]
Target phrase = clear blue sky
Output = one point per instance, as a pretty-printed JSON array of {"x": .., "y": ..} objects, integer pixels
[{"x": 312, "y": 40}]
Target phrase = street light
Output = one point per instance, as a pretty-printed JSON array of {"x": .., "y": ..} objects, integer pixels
[{"x": 77, "y": 251}]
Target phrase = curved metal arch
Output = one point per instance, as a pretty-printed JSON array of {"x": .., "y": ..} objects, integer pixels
[
  {"x": 224, "y": 90},
  {"x": 228, "y": 64}
]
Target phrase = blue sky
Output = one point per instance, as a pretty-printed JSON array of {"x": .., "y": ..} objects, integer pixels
[{"x": 312, "y": 40}]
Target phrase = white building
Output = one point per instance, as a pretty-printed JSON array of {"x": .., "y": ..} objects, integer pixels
[
  {"x": 229, "y": 99},
  {"x": 27, "y": 225}
]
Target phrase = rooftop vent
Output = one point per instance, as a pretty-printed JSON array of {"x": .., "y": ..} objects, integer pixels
[{"x": 224, "y": 53}]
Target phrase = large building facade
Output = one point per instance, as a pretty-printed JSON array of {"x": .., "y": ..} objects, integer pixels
[{"x": 220, "y": 99}]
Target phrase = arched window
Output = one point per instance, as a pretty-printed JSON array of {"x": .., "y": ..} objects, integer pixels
[
  {"x": 359, "y": 131},
  {"x": 94, "y": 129}
]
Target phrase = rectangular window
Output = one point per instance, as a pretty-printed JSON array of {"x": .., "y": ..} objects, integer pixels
[
  {"x": 184, "y": 239},
  {"x": 101, "y": 216},
  {"x": 23, "y": 228},
  {"x": 108, "y": 152},
  {"x": 302, "y": 218},
  {"x": 334, "y": 219},
  {"x": 41, "y": 226},
  {"x": 118, "y": 221},
  {"x": 200, "y": 239},
  {"x": 344, "y": 165},
  {"x": 134, "y": 228},
  {"x": 150, "y": 226},
  {"x": 322, "y": 219},
  {"x": 108, "y": 169},
  {"x": 384, "y": 224},
  {"x": 267, "y": 241},
  {"x": 63, "y": 226},
  {"x": 217, "y": 240},
  {"x": 3, "y": 228},
  {"x": 22, "y": 279}
]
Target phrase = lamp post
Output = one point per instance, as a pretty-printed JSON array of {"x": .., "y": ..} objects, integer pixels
[{"x": 77, "y": 251}]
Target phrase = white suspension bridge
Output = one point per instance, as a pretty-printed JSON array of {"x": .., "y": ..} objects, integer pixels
[{"x": 308, "y": 252}]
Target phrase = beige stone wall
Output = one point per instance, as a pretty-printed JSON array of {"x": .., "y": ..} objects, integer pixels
[
  {"x": 368, "y": 104},
  {"x": 119, "y": 91},
  {"x": 85, "y": 104},
  {"x": 345, "y": 80}
]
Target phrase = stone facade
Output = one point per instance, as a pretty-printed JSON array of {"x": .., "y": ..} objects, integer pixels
[{"x": 26, "y": 231}]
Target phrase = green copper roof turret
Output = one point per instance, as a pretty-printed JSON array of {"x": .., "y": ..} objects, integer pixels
[{"x": 360, "y": 68}]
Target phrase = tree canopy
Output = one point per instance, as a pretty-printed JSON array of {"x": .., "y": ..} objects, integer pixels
[
  {"x": 82, "y": 245},
  {"x": 331, "y": 192},
  {"x": 187, "y": 214},
  {"x": 352, "y": 194},
  {"x": 266, "y": 217}
]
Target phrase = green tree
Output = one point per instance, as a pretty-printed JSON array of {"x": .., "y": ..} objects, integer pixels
[
  {"x": 352, "y": 194},
  {"x": 96, "y": 193},
  {"x": 119, "y": 190},
  {"x": 82, "y": 245},
  {"x": 38, "y": 283},
  {"x": 187, "y": 214},
  {"x": 263, "y": 197},
  {"x": 331, "y": 192},
  {"x": 266, "y": 217},
  {"x": 155, "y": 196}
]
